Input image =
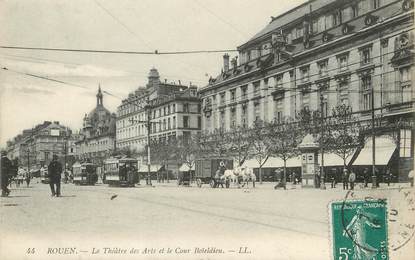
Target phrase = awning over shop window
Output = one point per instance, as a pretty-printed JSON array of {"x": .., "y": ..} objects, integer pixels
[
  {"x": 185, "y": 168},
  {"x": 153, "y": 168},
  {"x": 384, "y": 148},
  {"x": 332, "y": 159},
  {"x": 274, "y": 162}
]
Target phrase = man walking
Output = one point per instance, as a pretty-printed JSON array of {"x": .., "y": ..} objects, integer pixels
[
  {"x": 345, "y": 180},
  {"x": 352, "y": 179},
  {"x": 54, "y": 172},
  {"x": 6, "y": 167}
]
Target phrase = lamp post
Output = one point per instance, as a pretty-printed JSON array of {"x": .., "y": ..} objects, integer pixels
[{"x": 322, "y": 174}]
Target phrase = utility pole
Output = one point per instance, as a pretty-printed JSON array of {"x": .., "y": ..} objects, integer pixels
[
  {"x": 374, "y": 177},
  {"x": 322, "y": 175}
]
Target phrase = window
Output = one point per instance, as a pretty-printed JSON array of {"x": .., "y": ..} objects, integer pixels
[
  {"x": 222, "y": 98},
  {"x": 405, "y": 84},
  {"x": 365, "y": 56},
  {"x": 174, "y": 122},
  {"x": 363, "y": 6},
  {"x": 233, "y": 117},
  {"x": 278, "y": 110},
  {"x": 168, "y": 110},
  {"x": 222, "y": 119},
  {"x": 343, "y": 61},
  {"x": 366, "y": 82},
  {"x": 256, "y": 88},
  {"x": 299, "y": 32},
  {"x": 405, "y": 143},
  {"x": 244, "y": 116},
  {"x": 244, "y": 92},
  {"x": 321, "y": 23},
  {"x": 233, "y": 92},
  {"x": 322, "y": 68},
  {"x": 375, "y": 4},
  {"x": 185, "y": 121},
  {"x": 164, "y": 111},
  {"x": 199, "y": 108},
  {"x": 174, "y": 108},
  {"x": 305, "y": 73},
  {"x": 328, "y": 22},
  {"x": 164, "y": 124},
  {"x": 257, "y": 111},
  {"x": 343, "y": 93},
  {"x": 337, "y": 18},
  {"x": 355, "y": 11},
  {"x": 186, "y": 108},
  {"x": 315, "y": 26},
  {"x": 278, "y": 81},
  {"x": 199, "y": 122}
]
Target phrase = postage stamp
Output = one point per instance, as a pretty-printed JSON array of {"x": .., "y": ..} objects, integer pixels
[{"x": 359, "y": 230}]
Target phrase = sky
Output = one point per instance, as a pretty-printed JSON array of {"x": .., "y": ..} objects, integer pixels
[{"x": 127, "y": 25}]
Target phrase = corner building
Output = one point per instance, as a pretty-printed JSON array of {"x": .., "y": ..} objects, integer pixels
[
  {"x": 173, "y": 110},
  {"x": 318, "y": 55}
]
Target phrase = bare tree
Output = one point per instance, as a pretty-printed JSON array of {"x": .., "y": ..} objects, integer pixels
[
  {"x": 285, "y": 138},
  {"x": 239, "y": 144},
  {"x": 261, "y": 144},
  {"x": 343, "y": 136}
]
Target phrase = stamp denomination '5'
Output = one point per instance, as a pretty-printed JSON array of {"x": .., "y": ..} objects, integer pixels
[{"x": 359, "y": 230}]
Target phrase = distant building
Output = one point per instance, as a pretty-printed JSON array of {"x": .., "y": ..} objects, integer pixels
[
  {"x": 35, "y": 147},
  {"x": 174, "y": 111},
  {"x": 97, "y": 139}
]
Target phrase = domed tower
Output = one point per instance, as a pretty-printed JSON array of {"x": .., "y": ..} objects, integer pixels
[
  {"x": 100, "y": 101},
  {"x": 153, "y": 78}
]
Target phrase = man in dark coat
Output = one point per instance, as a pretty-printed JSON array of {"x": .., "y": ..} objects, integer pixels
[
  {"x": 6, "y": 168},
  {"x": 54, "y": 172}
]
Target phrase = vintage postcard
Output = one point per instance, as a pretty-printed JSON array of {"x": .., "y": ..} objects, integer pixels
[{"x": 190, "y": 129}]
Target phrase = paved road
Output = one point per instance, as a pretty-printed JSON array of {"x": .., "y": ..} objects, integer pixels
[{"x": 256, "y": 223}]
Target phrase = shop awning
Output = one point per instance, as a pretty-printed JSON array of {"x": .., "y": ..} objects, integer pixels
[
  {"x": 332, "y": 159},
  {"x": 185, "y": 168},
  {"x": 384, "y": 148},
  {"x": 153, "y": 168},
  {"x": 274, "y": 162}
]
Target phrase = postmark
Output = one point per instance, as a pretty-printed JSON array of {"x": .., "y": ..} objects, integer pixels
[{"x": 360, "y": 229}]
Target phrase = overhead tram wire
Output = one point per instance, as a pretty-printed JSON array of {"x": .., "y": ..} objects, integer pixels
[
  {"x": 155, "y": 52},
  {"x": 42, "y": 77}
]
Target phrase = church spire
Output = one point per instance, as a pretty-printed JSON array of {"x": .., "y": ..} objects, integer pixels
[{"x": 99, "y": 97}]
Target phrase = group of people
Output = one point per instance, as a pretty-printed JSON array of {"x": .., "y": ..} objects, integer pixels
[{"x": 9, "y": 170}]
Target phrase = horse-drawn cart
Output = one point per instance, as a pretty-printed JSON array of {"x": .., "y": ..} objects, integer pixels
[{"x": 211, "y": 171}]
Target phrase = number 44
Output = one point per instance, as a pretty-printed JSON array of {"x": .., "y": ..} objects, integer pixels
[
  {"x": 344, "y": 253},
  {"x": 30, "y": 250}
]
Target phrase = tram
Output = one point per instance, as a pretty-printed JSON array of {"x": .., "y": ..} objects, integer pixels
[
  {"x": 121, "y": 172},
  {"x": 84, "y": 173}
]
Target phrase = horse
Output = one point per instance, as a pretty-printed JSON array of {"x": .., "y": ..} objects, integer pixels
[{"x": 247, "y": 174}]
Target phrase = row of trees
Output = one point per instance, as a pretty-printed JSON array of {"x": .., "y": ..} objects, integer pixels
[{"x": 341, "y": 133}]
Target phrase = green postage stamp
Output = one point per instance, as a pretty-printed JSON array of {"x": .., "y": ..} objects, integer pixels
[{"x": 359, "y": 230}]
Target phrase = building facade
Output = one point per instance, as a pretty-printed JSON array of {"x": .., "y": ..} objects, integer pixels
[
  {"x": 317, "y": 56},
  {"x": 97, "y": 139},
  {"x": 172, "y": 109},
  {"x": 35, "y": 147}
]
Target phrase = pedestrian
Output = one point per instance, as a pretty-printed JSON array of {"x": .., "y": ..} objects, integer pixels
[
  {"x": 54, "y": 173},
  {"x": 345, "y": 179},
  {"x": 366, "y": 176},
  {"x": 27, "y": 178},
  {"x": 388, "y": 177},
  {"x": 352, "y": 179},
  {"x": 333, "y": 178},
  {"x": 411, "y": 177},
  {"x": 6, "y": 168}
]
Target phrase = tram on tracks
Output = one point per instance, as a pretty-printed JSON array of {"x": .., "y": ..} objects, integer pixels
[
  {"x": 84, "y": 173},
  {"x": 44, "y": 175},
  {"x": 121, "y": 172}
]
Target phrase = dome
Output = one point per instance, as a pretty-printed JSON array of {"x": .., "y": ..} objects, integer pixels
[{"x": 153, "y": 73}]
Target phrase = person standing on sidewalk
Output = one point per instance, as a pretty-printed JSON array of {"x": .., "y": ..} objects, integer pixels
[
  {"x": 54, "y": 172},
  {"x": 352, "y": 179},
  {"x": 345, "y": 179},
  {"x": 6, "y": 167},
  {"x": 27, "y": 178}
]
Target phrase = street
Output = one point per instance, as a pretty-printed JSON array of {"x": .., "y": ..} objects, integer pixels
[{"x": 234, "y": 223}]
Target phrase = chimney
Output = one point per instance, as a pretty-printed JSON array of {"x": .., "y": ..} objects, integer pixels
[{"x": 226, "y": 62}]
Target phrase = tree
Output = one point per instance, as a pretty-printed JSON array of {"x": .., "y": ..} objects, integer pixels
[
  {"x": 285, "y": 138},
  {"x": 162, "y": 151},
  {"x": 261, "y": 144},
  {"x": 343, "y": 136},
  {"x": 239, "y": 144}
]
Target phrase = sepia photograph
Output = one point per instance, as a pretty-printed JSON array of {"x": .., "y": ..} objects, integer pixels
[{"x": 207, "y": 129}]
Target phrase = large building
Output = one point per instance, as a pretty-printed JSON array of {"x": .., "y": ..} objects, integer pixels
[
  {"x": 173, "y": 110},
  {"x": 35, "y": 147},
  {"x": 318, "y": 55},
  {"x": 97, "y": 134}
]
